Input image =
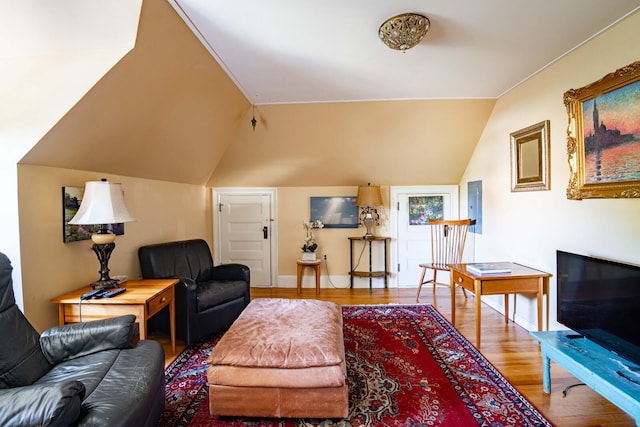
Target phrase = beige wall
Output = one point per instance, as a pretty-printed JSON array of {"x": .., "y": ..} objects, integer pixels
[
  {"x": 166, "y": 111},
  {"x": 293, "y": 209},
  {"x": 352, "y": 143},
  {"x": 528, "y": 227},
  {"x": 163, "y": 211},
  {"x": 41, "y": 78}
]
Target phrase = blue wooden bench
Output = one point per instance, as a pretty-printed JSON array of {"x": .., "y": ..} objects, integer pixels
[{"x": 615, "y": 378}]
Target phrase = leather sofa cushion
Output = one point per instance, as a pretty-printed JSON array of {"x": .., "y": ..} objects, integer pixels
[
  {"x": 213, "y": 293},
  {"x": 188, "y": 258},
  {"x": 55, "y": 404},
  {"x": 66, "y": 342},
  {"x": 121, "y": 385},
  {"x": 21, "y": 359}
]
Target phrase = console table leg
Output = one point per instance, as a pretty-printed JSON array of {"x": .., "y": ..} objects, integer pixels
[
  {"x": 351, "y": 263},
  {"x": 386, "y": 266},
  {"x": 370, "y": 269}
]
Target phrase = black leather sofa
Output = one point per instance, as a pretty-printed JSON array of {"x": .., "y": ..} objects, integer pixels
[
  {"x": 208, "y": 298},
  {"x": 81, "y": 374}
]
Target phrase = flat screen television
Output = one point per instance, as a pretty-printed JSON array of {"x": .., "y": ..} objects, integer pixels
[{"x": 600, "y": 299}]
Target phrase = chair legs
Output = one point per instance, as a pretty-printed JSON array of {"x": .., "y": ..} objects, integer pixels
[
  {"x": 433, "y": 281},
  {"x": 421, "y": 282}
]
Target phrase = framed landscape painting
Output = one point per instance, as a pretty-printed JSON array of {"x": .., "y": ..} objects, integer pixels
[
  {"x": 71, "y": 199},
  {"x": 423, "y": 208},
  {"x": 335, "y": 212},
  {"x": 603, "y": 136}
]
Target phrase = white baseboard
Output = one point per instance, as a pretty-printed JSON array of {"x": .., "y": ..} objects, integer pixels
[{"x": 337, "y": 282}]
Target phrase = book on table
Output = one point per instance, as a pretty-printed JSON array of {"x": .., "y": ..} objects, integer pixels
[{"x": 481, "y": 268}]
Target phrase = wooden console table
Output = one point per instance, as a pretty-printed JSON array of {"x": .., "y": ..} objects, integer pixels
[
  {"x": 615, "y": 378},
  {"x": 143, "y": 298},
  {"x": 521, "y": 280},
  {"x": 371, "y": 273}
]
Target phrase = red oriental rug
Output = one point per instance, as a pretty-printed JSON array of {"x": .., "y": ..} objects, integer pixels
[{"x": 406, "y": 366}]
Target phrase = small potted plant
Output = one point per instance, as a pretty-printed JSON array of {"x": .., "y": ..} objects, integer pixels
[{"x": 310, "y": 245}]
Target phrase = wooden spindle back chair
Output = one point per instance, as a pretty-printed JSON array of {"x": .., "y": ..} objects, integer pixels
[{"x": 448, "y": 238}]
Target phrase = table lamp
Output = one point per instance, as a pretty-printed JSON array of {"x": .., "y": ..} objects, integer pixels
[
  {"x": 368, "y": 198},
  {"x": 102, "y": 204}
]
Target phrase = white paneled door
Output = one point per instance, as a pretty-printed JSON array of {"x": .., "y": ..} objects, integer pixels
[
  {"x": 411, "y": 207},
  {"x": 243, "y": 222}
]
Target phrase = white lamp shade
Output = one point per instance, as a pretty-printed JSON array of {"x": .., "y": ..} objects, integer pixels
[{"x": 102, "y": 203}]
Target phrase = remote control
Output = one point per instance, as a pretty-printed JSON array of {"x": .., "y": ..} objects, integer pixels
[
  {"x": 112, "y": 292},
  {"x": 90, "y": 294}
]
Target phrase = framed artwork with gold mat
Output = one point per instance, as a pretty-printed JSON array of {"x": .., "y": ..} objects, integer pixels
[
  {"x": 603, "y": 136},
  {"x": 530, "y": 158}
]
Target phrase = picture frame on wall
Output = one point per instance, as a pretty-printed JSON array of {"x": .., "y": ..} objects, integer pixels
[
  {"x": 603, "y": 136},
  {"x": 335, "y": 212},
  {"x": 530, "y": 158},
  {"x": 71, "y": 200},
  {"x": 424, "y": 208}
]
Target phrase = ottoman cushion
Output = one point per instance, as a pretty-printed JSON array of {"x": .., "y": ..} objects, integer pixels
[{"x": 276, "y": 345}]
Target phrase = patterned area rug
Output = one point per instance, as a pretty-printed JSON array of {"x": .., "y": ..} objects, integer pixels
[{"x": 406, "y": 366}]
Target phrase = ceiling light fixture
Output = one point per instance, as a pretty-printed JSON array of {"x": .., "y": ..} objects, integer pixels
[{"x": 404, "y": 31}]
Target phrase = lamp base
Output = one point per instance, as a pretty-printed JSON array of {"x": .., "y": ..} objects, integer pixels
[
  {"x": 103, "y": 251},
  {"x": 103, "y": 285},
  {"x": 369, "y": 223}
]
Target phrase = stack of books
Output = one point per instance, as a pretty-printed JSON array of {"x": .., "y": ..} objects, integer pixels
[{"x": 488, "y": 268}]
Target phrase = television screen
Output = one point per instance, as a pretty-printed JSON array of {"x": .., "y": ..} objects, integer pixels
[{"x": 600, "y": 299}]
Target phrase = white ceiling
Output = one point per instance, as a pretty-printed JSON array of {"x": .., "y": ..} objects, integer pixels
[
  {"x": 31, "y": 28},
  {"x": 292, "y": 51}
]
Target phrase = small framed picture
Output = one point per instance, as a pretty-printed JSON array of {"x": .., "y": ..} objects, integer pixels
[
  {"x": 71, "y": 200},
  {"x": 423, "y": 208},
  {"x": 530, "y": 158}
]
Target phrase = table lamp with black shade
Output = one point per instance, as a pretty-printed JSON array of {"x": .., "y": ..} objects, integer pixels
[
  {"x": 368, "y": 198},
  {"x": 102, "y": 204}
]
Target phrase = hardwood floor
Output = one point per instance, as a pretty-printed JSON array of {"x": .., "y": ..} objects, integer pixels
[{"x": 507, "y": 346}]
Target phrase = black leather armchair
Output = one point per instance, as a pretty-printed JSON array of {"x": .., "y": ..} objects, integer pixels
[
  {"x": 82, "y": 374},
  {"x": 208, "y": 298}
]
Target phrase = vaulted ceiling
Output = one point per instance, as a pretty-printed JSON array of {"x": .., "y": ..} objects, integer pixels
[
  {"x": 332, "y": 102},
  {"x": 284, "y": 51}
]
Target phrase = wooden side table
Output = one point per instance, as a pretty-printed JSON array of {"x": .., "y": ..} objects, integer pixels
[
  {"x": 521, "y": 280},
  {"x": 313, "y": 264},
  {"x": 143, "y": 299},
  {"x": 371, "y": 273}
]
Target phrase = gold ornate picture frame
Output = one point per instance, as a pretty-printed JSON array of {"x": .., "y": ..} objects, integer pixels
[
  {"x": 603, "y": 136},
  {"x": 530, "y": 158}
]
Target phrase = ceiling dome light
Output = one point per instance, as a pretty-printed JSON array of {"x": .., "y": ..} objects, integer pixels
[{"x": 404, "y": 31}]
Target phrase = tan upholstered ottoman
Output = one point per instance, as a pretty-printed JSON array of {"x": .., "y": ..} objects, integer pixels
[{"x": 281, "y": 358}]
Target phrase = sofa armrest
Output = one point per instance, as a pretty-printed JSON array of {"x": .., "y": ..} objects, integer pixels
[
  {"x": 79, "y": 339},
  {"x": 230, "y": 272},
  {"x": 52, "y": 404}
]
